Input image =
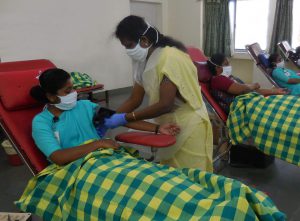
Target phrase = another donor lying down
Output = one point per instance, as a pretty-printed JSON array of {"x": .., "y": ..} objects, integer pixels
[{"x": 107, "y": 183}]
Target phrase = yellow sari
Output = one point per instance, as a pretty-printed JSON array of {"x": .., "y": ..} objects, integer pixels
[{"x": 194, "y": 145}]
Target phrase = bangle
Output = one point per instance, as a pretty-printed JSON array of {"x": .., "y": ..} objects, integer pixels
[
  {"x": 157, "y": 129},
  {"x": 133, "y": 116}
]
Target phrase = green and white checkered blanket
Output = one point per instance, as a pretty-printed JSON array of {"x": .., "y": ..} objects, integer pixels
[
  {"x": 272, "y": 122},
  {"x": 113, "y": 185}
]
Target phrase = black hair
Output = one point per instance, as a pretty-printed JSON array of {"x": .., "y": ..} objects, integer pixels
[
  {"x": 132, "y": 28},
  {"x": 215, "y": 59},
  {"x": 272, "y": 59},
  {"x": 51, "y": 81}
]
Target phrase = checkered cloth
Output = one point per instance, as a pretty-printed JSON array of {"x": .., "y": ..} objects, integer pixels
[
  {"x": 273, "y": 123},
  {"x": 113, "y": 185},
  {"x": 81, "y": 80}
]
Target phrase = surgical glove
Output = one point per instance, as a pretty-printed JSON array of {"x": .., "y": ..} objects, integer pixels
[
  {"x": 101, "y": 130},
  {"x": 115, "y": 120}
]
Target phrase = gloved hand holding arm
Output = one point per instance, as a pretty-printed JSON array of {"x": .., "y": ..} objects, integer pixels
[{"x": 115, "y": 120}]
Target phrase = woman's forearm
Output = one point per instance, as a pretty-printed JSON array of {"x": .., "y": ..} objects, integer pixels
[
  {"x": 134, "y": 101},
  {"x": 149, "y": 112},
  {"x": 142, "y": 125},
  {"x": 293, "y": 81},
  {"x": 265, "y": 92},
  {"x": 128, "y": 106},
  {"x": 167, "y": 96},
  {"x": 64, "y": 156}
]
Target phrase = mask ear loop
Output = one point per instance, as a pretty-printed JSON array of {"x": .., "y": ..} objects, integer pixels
[
  {"x": 148, "y": 27},
  {"x": 215, "y": 64}
]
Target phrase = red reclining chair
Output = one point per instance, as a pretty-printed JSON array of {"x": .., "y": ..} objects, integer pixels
[
  {"x": 217, "y": 116},
  {"x": 255, "y": 50},
  {"x": 17, "y": 110}
]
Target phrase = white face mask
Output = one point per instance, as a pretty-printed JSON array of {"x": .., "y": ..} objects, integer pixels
[
  {"x": 280, "y": 64},
  {"x": 138, "y": 53},
  {"x": 67, "y": 102},
  {"x": 227, "y": 71}
]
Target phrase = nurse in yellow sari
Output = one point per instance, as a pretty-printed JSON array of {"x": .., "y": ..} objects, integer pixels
[{"x": 166, "y": 74}]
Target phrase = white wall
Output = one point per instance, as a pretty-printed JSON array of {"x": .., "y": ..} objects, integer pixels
[
  {"x": 185, "y": 21},
  {"x": 151, "y": 11},
  {"x": 76, "y": 35}
]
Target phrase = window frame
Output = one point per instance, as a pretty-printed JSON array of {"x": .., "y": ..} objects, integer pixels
[{"x": 242, "y": 52}]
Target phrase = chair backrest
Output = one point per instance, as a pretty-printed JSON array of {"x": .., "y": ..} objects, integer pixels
[
  {"x": 38, "y": 64},
  {"x": 204, "y": 76},
  {"x": 196, "y": 54},
  {"x": 255, "y": 51},
  {"x": 289, "y": 53},
  {"x": 285, "y": 48},
  {"x": 17, "y": 108}
]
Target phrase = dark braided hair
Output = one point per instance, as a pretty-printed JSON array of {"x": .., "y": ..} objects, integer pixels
[
  {"x": 51, "y": 81},
  {"x": 132, "y": 28},
  {"x": 215, "y": 59}
]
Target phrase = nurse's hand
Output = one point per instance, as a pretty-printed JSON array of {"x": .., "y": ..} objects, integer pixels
[
  {"x": 169, "y": 129},
  {"x": 115, "y": 120}
]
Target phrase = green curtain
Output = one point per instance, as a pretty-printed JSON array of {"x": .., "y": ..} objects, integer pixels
[
  {"x": 216, "y": 27},
  {"x": 283, "y": 24}
]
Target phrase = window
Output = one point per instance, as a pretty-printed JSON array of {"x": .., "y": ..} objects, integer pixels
[
  {"x": 296, "y": 24},
  {"x": 249, "y": 20}
]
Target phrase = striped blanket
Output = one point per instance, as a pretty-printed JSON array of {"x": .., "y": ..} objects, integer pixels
[
  {"x": 113, "y": 185},
  {"x": 272, "y": 122}
]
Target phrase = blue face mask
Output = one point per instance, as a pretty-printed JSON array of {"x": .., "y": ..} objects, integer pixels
[{"x": 67, "y": 102}]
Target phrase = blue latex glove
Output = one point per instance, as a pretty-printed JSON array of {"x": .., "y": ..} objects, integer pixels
[
  {"x": 115, "y": 120},
  {"x": 101, "y": 130}
]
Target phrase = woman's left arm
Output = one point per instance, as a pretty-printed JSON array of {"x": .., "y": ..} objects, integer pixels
[
  {"x": 168, "y": 128},
  {"x": 272, "y": 91},
  {"x": 134, "y": 119},
  {"x": 167, "y": 95}
]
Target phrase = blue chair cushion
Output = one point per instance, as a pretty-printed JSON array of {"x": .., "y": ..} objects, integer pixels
[{"x": 264, "y": 60}]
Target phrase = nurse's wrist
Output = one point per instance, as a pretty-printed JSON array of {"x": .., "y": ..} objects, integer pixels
[{"x": 129, "y": 117}]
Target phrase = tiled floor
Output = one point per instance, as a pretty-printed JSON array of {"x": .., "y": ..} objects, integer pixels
[{"x": 281, "y": 181}]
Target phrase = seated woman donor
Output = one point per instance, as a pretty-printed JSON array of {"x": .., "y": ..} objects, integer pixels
[
  {"x": 101, "y": 181},
  {"x": 284, "y": 77},
  {"x": 226, "y": 87},
  {"x": 165, "y": 73},
  {"x": 61, "y": 129}
]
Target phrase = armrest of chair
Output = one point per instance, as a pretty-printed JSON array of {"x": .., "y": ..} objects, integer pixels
[{"x": 147, "y": 139}]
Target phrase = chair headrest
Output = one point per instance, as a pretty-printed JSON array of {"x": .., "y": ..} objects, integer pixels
[
  {"x": 196, "y": 54},
  {"x": 254, "y": 50},
  {"x": 16, "y": 80},
  {"x": 264, "y": 60},
  {"x": 204, "y": 74},
  {"x": 15, "y": 87}
]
